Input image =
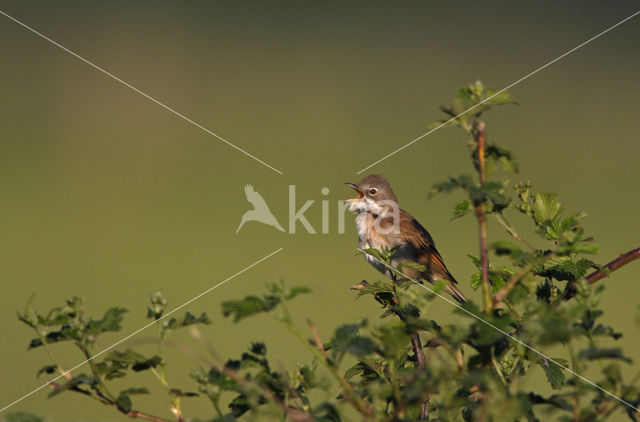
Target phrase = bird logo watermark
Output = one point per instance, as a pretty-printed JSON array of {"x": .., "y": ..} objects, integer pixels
[{"x": 261, "y": 213}]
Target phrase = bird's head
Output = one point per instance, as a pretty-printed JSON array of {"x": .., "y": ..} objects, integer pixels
[{"x": 373, "y": 194}]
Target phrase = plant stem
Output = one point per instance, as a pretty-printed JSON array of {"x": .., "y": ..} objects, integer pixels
[
  {"x": 479, "y": 135},
  {"x": 350, "y": 394},
  {"x": 132, "y": 413},
  {"x": 597, "y": 275},
  {"x": 512, "y": 231},
  {"x": 496, "y": 366},
  {"x": 316, "y": 338},
  {"x": 621, "y": 261},
  {"x": 146, "y": 416},
  {"x": 416, "y": 347},
  {"x": 43, "y": 339},
  {"x": 499, "y": 296}
]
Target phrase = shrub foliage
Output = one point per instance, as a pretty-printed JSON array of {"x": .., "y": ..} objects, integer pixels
[{"x": 536, "y": 299}]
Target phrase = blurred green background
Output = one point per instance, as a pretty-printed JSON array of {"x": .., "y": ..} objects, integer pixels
[{"x": 108, "y": 196}]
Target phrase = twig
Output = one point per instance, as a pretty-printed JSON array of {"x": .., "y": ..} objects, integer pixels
[
  {"x": 416, "y": 347},
  {"x": 572, "y": 289},
  {"x": 620, "y": 261},
  {"x": 499, "y": 296},
  {"x": 296, "y": 413},
  {"x": 350, "y": 395},
  {"x": 479, "y": 135},
  {"x": 132, "y": 413},
  {"x": 316, "y": 338},
  {"x": 141, "y": 415},
  {"x": 512, "y": 231}
]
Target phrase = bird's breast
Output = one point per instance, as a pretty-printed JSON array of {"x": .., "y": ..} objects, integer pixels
[{"x": 369, "y": 237}]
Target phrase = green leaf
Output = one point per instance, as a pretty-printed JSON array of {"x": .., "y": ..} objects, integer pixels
[
  {"x": 476, "y": 280},
  {"x": 461, "y": 182},
  {"x": 503, "y": 157},
  {"x": 476, "y": 261},
  {"x": 74, "y": 383},
  {"x": 29, "y": 315},
  {"x": 547, "y": 207},
  {"x": 176, "y": 392},
  {"x": 47, "y": 369},
  {"x": 259, "y": 348},
  {"x": 460, "y": 209},
  {"x": 23, "y": 417},
  {"x": 250, "y": 305},
  {"x": 363, "y": 369},
  {"x": 464, "y": 94},
  {"x": 110, "y": 321},
  {"x": 375, "y": 287},
  {"x": 596, "y": 353},
  {"x": 133, "y": 359},
  {"x": 499, "y": 97},
  {"x": 187, "y": 320},
  {"x": 123, "y": 402},
  {"x": 135, "y": 390},
  {"x": 297, "y": 290},
  {"x": 565, "y": 268},
  {"x": 66, "y": 333},
  {"x": 554, "y": 373},
  {"x": 347, "y": 339}
]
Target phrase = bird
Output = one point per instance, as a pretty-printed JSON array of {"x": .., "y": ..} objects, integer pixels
[
  {"x": 260, "y": 211},
  {"x": 382, "y": 224}
]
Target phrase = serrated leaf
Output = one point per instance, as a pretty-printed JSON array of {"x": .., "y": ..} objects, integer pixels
[
  {"x": 110, "y": 321},
  {"x": 554, "y": 373},
  {"x": 499, "y": 97},
  {"x": 476, "y": 280},
  {"x": 460, "y": 209},
  {"x": 547, "y": 207}
]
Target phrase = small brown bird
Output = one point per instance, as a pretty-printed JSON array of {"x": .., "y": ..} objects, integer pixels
[{"x": 381, "y": 223}]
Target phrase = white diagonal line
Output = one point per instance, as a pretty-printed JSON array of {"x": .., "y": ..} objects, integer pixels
[
  {"x": 502, "y": 90},
  {"x": 504, "y": 332},
  {"x": 182, "y": 116},
  {"x": 140, "y": 329}
]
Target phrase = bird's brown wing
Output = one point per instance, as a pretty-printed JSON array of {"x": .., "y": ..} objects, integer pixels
[{"x": 421, "y": 240}]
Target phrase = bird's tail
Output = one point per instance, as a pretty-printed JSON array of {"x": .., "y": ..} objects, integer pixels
[{"x": 455, "y": 292}]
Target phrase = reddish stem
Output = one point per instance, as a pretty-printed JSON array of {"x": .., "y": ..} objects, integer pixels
[
  {"x": 620, "y": 261},
  {"x": 480, "y": 136}
]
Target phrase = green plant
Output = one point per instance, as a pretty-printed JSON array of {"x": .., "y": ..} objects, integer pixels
[{"x": 536, "y": 296}]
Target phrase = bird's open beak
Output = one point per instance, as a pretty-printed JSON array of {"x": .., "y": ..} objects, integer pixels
[{"x": 359, "y": 193}]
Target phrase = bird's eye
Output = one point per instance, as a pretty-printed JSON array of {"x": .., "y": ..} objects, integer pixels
[{"x": 373, "y": 191}]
